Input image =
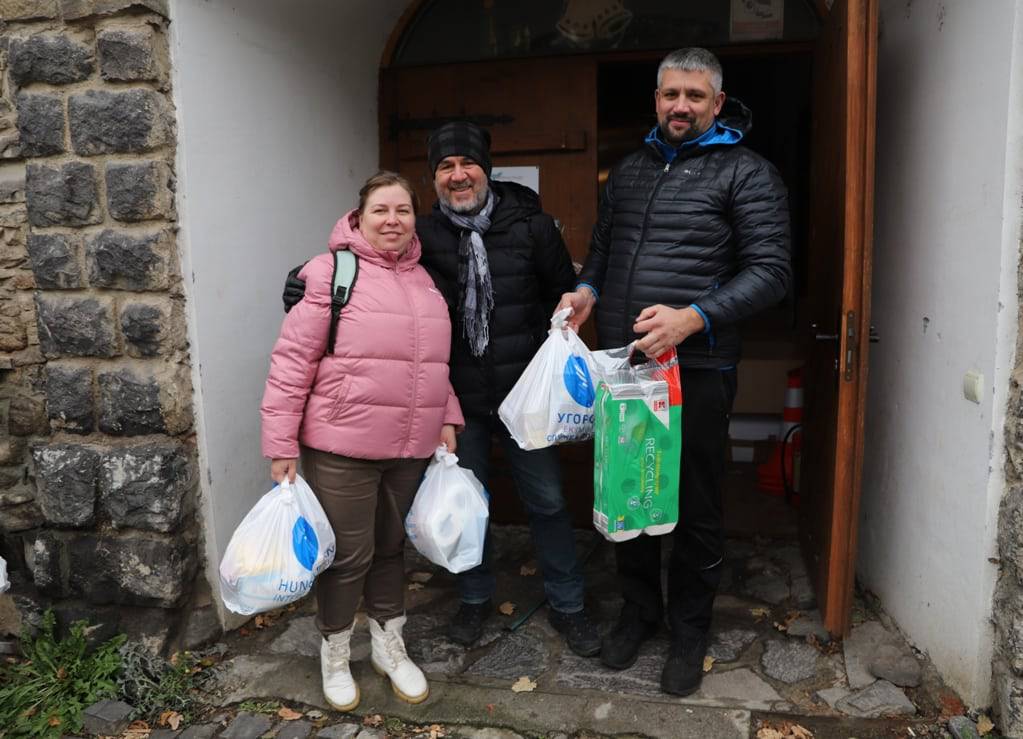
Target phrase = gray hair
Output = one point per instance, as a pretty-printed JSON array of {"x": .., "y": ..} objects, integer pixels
[{"x": 693, "y": 59}]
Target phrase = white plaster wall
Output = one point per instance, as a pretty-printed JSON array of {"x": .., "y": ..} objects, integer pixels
[
  {"x": 277, "y": 124},
  {"x": 944, "y": 301}
]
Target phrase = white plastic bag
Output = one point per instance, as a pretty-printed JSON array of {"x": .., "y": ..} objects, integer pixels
[
  {"x": 447, "y": 523},
  {"x": 4, "y": 581},
  {"x": 277, "y": 550},
  {"x": 552, "y": 402}
]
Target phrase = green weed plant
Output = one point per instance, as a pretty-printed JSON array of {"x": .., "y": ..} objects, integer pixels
[{"x": 44, "y": 693}]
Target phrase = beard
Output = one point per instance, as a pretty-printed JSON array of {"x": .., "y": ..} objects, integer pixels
[
  {"x": 690, "y": 133},
  {"x": 468, "y": 207}
]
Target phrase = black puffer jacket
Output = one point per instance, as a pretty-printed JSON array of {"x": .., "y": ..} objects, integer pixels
[
  {"x": 711, "y": 228},
  {"x": 529, "y": 270}
]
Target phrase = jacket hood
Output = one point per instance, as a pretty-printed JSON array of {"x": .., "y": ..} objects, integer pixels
[
  {"x": 730, "y": 127},
  {"x": 346, "y": 235},
  {"x": 515, "y": 202},
  {"x": 736, "y": 116}
]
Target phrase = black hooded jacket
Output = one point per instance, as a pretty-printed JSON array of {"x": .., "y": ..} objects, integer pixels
[
  {"x": 529, "y": 270},
  {"x": 711, "y": 229}
]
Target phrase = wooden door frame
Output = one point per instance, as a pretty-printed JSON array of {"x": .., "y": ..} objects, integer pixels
[{"x": 858, "y": 262}]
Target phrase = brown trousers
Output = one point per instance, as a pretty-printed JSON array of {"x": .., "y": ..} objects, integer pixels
[{"x": 366, "y": 501}]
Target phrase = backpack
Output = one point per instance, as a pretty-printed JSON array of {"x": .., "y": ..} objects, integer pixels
[{"x": 346, "y": 269}]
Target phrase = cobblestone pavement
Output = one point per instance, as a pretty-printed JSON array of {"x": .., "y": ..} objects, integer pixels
[{"x": 772, "y": 663}]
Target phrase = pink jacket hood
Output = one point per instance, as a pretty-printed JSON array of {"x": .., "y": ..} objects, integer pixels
[{"x": 346, "y": 235}]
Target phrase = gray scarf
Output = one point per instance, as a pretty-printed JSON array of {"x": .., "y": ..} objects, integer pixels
[{"x": 476, "y": 295}]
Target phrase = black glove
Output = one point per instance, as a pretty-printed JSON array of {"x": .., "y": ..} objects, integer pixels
[{"x": 294, "y": 288}]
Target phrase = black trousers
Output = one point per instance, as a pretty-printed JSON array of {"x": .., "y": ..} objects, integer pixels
[{"x": 694, "y": 570}]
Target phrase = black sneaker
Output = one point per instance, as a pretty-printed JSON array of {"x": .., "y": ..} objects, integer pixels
[
  {"x": 580, "y": 633},
  {"x": 466, "y": 626},
  {"x": 683, "y": 669},
  {"x": 621, "y": 647}
]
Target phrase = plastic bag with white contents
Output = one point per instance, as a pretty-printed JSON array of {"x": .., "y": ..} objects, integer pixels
[
  {"x": 4, "y": 581},
  {"x": 447, "y": 523},
  {"x": 277, "y": 550},
  {"x": 552, "y": 402}
]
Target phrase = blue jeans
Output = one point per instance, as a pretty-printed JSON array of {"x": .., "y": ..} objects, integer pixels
[{"x": 537, "y": 476}]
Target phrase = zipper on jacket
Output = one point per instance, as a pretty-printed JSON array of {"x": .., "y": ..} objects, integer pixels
[
  {"x": 415, "y": 360},
  {"x": 635, "y": 256}
]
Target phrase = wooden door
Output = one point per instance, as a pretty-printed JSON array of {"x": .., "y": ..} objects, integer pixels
[
  {"x": 542, "y": 113},
  {"x": 841, "y": 226}
]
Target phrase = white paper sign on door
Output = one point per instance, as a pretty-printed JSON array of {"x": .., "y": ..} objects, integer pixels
[{"x": 528, "y": 176}]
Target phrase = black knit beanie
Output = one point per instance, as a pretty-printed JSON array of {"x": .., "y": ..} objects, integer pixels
[{"x": 459, "y": 139}]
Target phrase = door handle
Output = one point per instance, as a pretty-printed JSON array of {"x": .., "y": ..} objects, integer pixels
[{"x": 818, "y": 336}]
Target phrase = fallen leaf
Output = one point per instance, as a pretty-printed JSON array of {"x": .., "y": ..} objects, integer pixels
[
  {"x": 171, "y": 719},
  {"x": 781, "y": 627},
  {"x": 526, "y": 570},
  {"x": 241, "y": 632},
  {"x": 523, "y": 685},
  {"x": 490, "y": 708},
  {"x": 374, "y": 719},
  {"x": 420, "y": 576},
  {"x": 61, "y": 673},
  {"x": 137, "y": 730},
  {"x": 415, "y": 586},
  {"x": 436, "y": 730},
  {"x": 708, "y": 662},
  {"x": 54, "y": 721},
  {"x": 984, "y": 725},
  {"x": 759, "y": 613},
  {"x": 507, "y": 608},
  {"x": 289, "y": 714},
  {"x": 799, "y": 732},
  {"x": 768, "y": 733}
]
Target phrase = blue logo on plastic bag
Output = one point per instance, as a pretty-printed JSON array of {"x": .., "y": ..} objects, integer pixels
[
  {"x": 305, "y": 543},
  {"x": 578, "y": 381}
]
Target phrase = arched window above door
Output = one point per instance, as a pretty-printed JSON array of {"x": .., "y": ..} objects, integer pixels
[{"x": 446, "y": 31}]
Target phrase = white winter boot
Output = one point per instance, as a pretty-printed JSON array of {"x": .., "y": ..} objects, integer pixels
[
  {"x": 390, "y": 658},
  {"x": 339, "y": 686}
]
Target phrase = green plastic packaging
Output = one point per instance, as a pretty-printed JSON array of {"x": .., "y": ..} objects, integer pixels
[{"x": 637, "y": 450}]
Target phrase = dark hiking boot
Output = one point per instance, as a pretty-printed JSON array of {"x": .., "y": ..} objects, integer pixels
[
  {"x": 683, "y": 669},
  {"x": 621, "y": 647},
  {"x": 580, "y": 633},
  {"x": 466, "y": 626}
]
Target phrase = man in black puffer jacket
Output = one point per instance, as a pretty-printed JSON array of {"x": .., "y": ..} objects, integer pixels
[
  {"x": 502, "y": 265},
  {"x": 692, "y": 236}
]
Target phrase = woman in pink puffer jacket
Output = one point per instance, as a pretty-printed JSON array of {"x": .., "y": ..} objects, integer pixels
[{"x": 365, "y": 421}]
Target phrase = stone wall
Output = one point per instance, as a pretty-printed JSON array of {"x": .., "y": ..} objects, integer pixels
[
  {"x": 97, "y": 451},
  {"x": 1007, "y": 668}
]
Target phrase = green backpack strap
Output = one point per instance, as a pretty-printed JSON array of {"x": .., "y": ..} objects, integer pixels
[{"x": 346, "y": 269}]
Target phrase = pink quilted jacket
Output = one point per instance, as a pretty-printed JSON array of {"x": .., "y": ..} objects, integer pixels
[{"x": 384, "y": 393}]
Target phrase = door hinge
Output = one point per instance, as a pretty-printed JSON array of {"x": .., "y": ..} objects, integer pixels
[{"x": 850, "y": 344}]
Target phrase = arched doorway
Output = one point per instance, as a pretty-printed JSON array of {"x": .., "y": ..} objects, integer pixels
[{"x": 566, "y": 90}]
